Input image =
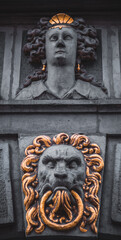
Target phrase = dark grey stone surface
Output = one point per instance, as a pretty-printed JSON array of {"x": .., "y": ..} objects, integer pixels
[
  {"x": 116, "y": 194},
  {"x": 6, "y": 201},
  {"x": 85, "y": 116},
  {"x": 119, "y": 32},
  {"x": 107, "y": 226},
  {"x": 91, "y": 123},
  {"x": 26, "y": 67},
  {"x": 49, "y": 6},
  {"x": 110, "y": 123},
  {"x": 13, "y": 230},
  {"x": 2, "y": 42},
  {"x": 61, "y": 106},
  {"x": 47, "y": 123},
  {"x": 95, "y": 67}
]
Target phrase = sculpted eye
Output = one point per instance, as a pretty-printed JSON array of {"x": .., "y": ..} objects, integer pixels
[
  {"x": 50, "y": 164},
  {"x": 54, "y": 38},
  {"x": 67, "y": 37},
  {"x": 73, "y": 164}
]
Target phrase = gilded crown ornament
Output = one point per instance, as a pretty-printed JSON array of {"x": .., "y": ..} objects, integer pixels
[{"x": 61, "y": 20}]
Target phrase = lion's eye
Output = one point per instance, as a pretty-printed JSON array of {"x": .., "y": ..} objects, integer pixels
[
  {"x": 73, "y": 164},
  {"x": 50, "y": 164}
]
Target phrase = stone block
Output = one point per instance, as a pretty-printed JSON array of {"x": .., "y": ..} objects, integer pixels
[
  {"x": 48, "y": 123},
  {"x": 107, "y": 226},
  {"x": 7, "y": 63},
  {"x": 2, "y": 43},
  {"x": 116, "y": 194},
  {"x": 6, "y": 204},
  {"x": 110, "y": 124}
]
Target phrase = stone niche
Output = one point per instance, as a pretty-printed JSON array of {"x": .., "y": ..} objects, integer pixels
[
  {"x": 104, "y": 69},
  {"x": 65, "y": 168}
]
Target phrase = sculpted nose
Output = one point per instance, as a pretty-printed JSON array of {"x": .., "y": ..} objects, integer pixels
[
  {"x": 60, "y": 175},
  {"x": 60, "y": 43}
]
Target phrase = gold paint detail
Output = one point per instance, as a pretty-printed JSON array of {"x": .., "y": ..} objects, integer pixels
[
  {"x": 62, "y": 227},
  {"x": 60, "y": 19},
  {"x": 31, "y": 216},
  {"x": 60, "y": 26},
  {"x": 70, "y": 20},
  {"x": 43, "y": 67},
  {"x": 66, "y": 18},
  {"x": 78, "y": 67},
  {"x": 37, "y": 215},
  {"x": 61, "y": 199}
]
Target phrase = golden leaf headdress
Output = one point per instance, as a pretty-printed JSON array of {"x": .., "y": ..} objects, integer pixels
[{"x": 61, "y": 20}]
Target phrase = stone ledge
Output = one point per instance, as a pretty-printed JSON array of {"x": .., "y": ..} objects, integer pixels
[{"x": 66, "y": 106}]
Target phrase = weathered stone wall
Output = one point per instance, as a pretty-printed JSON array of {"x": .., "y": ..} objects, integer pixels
[{"x": 34, "y": 117}]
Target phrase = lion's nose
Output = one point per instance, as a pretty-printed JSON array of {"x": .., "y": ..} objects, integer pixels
[{"x": 60, "y": 175}]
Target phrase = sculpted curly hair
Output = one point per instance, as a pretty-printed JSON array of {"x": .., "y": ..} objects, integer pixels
[
  {"x": 94, "y": 165},
  {"x": 87, "y": 43}
]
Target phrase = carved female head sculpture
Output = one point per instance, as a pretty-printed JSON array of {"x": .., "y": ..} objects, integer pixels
[
  {"x": 60, "y": 45},
  {"x": 61, "y": 182}
]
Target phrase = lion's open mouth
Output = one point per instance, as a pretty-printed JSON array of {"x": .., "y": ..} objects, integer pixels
[{"x": 61, "y": 209}]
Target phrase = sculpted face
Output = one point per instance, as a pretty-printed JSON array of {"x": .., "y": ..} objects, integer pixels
[
  {"x": 61, "y": 46},
  {"x": 61, "y": 166}
]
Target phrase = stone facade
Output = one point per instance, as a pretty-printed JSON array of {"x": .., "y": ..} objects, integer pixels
[{"x": 22, "y": 120}]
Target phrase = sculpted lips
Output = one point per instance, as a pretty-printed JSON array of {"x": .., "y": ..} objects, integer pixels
[{"x": 60, "y": 51}]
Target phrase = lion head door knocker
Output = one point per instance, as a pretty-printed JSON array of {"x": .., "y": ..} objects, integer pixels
[
  {"x": 61, "y": 182},
  {"x": 60, "y": 46}
]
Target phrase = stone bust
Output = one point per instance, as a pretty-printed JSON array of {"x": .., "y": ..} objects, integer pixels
[{"x": 61, "y": 44}]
